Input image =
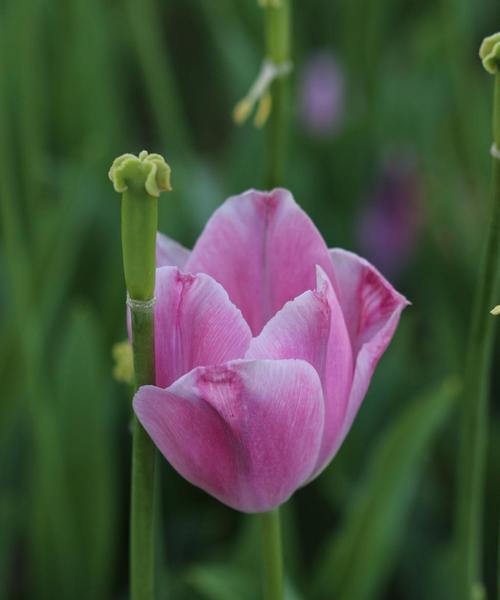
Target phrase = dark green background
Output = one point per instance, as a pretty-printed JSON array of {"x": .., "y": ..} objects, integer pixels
[{"x": 82, "y": 81}]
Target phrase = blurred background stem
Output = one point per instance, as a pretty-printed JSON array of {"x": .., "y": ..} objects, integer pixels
[
  {"x": 474, "y": 433},
  {"x": 278, "y": 51}
]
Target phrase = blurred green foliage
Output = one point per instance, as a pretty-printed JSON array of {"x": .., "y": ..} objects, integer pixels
[{"x": 82, "y": 81}]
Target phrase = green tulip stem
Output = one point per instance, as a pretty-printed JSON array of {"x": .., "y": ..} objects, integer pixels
[
  {"x": 474, "y": 430},
  {"x": 140, "y": 179},
  {"x": 272, "y": 561}
]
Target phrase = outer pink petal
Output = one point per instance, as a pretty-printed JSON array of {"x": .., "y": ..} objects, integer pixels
[
  {"x": 170, "y": 253},
  {"x": 195, "y": 325},
  {"x": 247, "y": 432},
  {"x": 312, "y": 328},
  {"x": 372, "y": 308},
  {"x": 263, "y": 249}
]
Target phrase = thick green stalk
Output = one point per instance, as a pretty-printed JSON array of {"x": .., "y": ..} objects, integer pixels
[
  {"x": 143, "y": 465},
  {"x": 139, "y": 225},
  {"x": 278, "y": 51},
  {"x": 140, "y": 179},
  {"x": 474, "y": 430},
  {"x": 272, "y": 561}
]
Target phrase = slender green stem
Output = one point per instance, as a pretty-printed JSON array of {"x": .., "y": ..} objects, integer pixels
[
  {"x": 143, "y": 466},
  {"x": 272, "y": 561},
  {"x": 278, "y": 50},
  {"x": 475, "y": 402}
]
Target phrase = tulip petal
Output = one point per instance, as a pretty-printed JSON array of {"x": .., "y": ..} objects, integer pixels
[
  {"x": 371, "y": 308},
  {"x": 195, "y": 324},
  {"x": 247, "y": 432},
  {"x": 312, "y": 328},
  {"x": 170, "y": 253},
  {"x": 263, "y": 249}
]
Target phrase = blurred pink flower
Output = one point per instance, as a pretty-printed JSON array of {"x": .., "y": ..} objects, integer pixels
[
  {"x": 390, "y": 223},
  {"x": 321, "y": 95},
  {"x": 266, "y": 342}
]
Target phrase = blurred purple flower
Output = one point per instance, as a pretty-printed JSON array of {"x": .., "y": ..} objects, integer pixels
[
  {"x": 389, "y": 226},
  {"x": 321, "y": 95}
]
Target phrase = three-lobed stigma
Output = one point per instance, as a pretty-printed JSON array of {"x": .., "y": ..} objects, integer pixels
[
  {"x": 146, "y": 170},
  {"x": 490, "y": 53}
]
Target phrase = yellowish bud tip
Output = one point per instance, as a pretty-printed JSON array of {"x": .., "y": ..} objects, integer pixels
[
  {"x": 478, "y": 592},
  {"x": 146, "y": 170},
  {"x": 123, "y": 370},
  {"x": 269, "y": 3},
  {"x": 495, "y": 311},
  {"x": 242, "y": 111},
  {"x": 490, "y": 53},
  {"x": 263, "y": 110}
]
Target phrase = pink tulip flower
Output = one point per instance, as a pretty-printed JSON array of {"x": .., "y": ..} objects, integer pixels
[{"x": 265, "y": 344}]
